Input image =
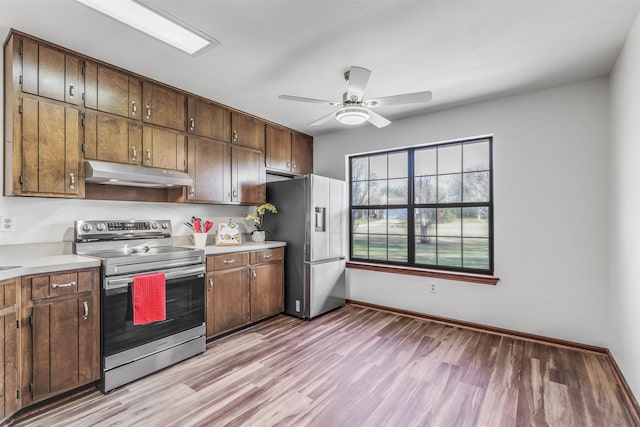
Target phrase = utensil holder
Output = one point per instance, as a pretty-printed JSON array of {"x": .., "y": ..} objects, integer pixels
[{"x": 200, "y": 240}]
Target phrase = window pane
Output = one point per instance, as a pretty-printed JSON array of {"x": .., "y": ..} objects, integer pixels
[
  {"x": 359, "y": 193},
  {"x": 450, "y": 159},
  {"x": 398, "y": 165},
  {"x": 475, "y": 253},
  {"x": 377, "y": 247},
  {"x": 378, "y": 221},
  {"x": 449, "y": 188},
  {"x": 360, "y": 247},
  {"x": 425, "y": 223},
  {"x": 424, "y": 162},
  {"x": 360, "y": 169},
  {"x": 377, "y": 192},
  {"x": 426, "y": 251},
  {"x": 397, "y": 222},
  {"x": 359, "y": 220},
  {"x": 398, "y": 191},
  {"x": 449, "y": 222},
  {"x": 476, "y": 156},
  {"x": 425, "y": 189},
  {"x": 475, "y": 222},
  {"x": 398, "y": 248},
  {"x": 475, "y": 187},
  {"x": 449, "y": 252},
  {"x": 378, "y": 167}
]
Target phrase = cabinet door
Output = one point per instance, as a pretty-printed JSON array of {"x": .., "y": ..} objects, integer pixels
[
  {"x": 50, "y": 148},
  {"x": 229, "y": 290},
  {"x": 112, "y": 139},
  {"x": 208, "y": 119},
  {"x": 111, "y": 91},
  {"x": 163, "y": 149},
  {"x": 210, "y": 167},
  {"x": 163, "y": 106},
  {"x": 248, "y": 177},
  {"x": 50, "y": 73},
  {"x": 267, "y": 290},
  {"x": 9, "y": 380},
  {"x": 247, "y": 131},
  {"x": 278, "y": 148},
  {"x": 301, "y": 154}
]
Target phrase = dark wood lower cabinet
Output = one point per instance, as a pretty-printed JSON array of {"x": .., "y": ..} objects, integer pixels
[
  {"x": 60, "y": 333},
  {"x": 243, "y": 287},
  {"x": 9, "y": 375}
]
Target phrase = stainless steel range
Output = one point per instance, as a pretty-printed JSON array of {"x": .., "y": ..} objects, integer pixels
[{"x": 129, "y": 248}]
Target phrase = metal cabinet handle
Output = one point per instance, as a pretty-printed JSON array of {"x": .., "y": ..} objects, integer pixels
[
  {"x": 288, "y": 165},
  {"x": 86, "y": 310},
  {"x": 235, "y": 136},
  {"x": 63, "y": 285},
  {"x": 134, "y": 153},
  {"x": 148, "y": 111},
  {"x": 72, "y": 91},
  {"x": 294, "y": 165},
  {"x": 134, "y": 107},
  {"x": 235, "y": 194},
  {"x": 192, "y": 124},
  {"x": 229, "y": 261},
  {"x": 191, "y": 191},
  {"x": 255, "y": 275},
  {"x": 210, "y": 284},
  {"x": 148, "y": 155},
  {"x": 72, "y": 181},
  {"x": 266, "y": 256}
]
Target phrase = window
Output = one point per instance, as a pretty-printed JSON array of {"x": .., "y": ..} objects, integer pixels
[{"x": 428, "y": 206}]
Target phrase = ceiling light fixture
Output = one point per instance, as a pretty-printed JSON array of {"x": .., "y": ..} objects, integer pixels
[
  {"x": 154, "y": 23},
  {"x": 352, "y": 116}
]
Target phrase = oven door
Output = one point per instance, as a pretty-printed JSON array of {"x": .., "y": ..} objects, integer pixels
[{"x": 185, "y": 295}]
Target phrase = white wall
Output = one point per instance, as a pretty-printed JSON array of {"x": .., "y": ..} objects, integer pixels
[
  {"x": 551, "y": 216},
  {"x": 625, "y": 210}
]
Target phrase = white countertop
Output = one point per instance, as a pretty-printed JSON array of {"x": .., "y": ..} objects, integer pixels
[{"x": 52, "y": 257}]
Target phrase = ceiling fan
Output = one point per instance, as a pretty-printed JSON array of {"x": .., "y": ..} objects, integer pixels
[{"x": 354, "y": 109}]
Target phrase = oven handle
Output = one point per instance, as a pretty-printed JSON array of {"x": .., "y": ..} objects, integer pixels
[{"x": 122, "y": 282}]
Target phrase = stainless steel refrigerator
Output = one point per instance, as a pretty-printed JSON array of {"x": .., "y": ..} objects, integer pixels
[{"x": 310, "y": 218}]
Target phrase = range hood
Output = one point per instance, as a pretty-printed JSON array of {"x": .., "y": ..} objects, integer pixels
[{"x": 134, "y": 176}]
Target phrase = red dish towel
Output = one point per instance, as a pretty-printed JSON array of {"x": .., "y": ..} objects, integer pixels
[{"x": 149, "y": 299}]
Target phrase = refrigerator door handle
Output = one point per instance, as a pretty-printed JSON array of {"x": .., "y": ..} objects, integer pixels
[{"x": 320, "y": 214}]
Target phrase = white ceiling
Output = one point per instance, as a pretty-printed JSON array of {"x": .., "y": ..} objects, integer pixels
[{"x": 463, "y": 51}]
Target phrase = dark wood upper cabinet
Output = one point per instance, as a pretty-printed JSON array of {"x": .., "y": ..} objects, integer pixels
[
  {"x": 50, "y": 149},
  {"x": 50, "y": 73},
  {"x": 111, "y": 91},
  {"x": 210, "y": 168},
  {"x": 247, "y": 177},
  {"x": 301, "y": 153},
  {"x": 208, "y": 119},
  {"x": 278, "y": 148},
  {"x": 247, "y": 131},
  {"x": 288, "y": 151},
  {"x": 163, "y": 106},
  {"x": 163, "y": 149},
  {"x": 112, "y": 139}
]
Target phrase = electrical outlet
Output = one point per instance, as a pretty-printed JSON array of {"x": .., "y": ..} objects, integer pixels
[
  {"x": 298, "y": 305},
  {"x": 434, "y": 289},
  {"x": 8, "y": 223}
]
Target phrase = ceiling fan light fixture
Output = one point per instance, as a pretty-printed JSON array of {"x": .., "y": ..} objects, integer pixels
[{"x": 352, "y": 116}]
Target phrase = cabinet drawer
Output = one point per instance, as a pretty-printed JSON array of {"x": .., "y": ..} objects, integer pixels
[
  {"x": 267, "y": 255},
  {"x": 65, "y": 283},
  {"x": 226, "y": 261}
]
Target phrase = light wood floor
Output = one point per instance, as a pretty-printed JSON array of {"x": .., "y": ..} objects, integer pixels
[{"x": 363, "y": 367}]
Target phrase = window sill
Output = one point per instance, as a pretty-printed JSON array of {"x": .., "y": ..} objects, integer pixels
[{"x": 423, "y": 272}]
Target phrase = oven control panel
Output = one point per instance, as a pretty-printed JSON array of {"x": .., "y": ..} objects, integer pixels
[{"x": 114, "y": 229}]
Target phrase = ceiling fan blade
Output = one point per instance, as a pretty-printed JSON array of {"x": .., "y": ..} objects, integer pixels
[
  {"x": 407, "y": 98},
  {"x": 312, "y": 100},
  {"x": 358, "y": 78},
  {"x": 324, "y": 119},
  {"x": 377, "y": 120}
]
